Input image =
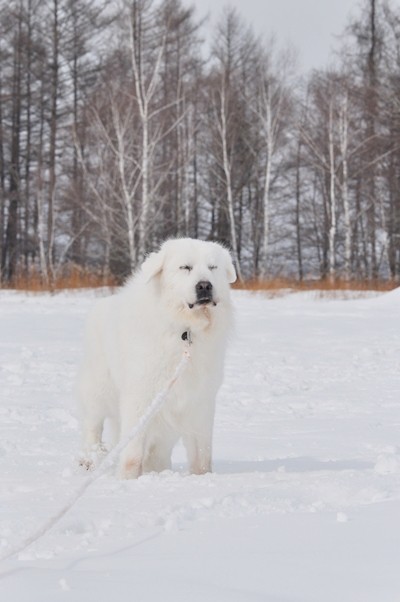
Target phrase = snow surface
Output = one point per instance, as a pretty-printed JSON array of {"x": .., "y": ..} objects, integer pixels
[{"x": 304, "y": 503}]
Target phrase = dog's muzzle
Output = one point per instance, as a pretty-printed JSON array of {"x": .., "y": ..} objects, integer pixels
[{"x": 204, "y": 292}]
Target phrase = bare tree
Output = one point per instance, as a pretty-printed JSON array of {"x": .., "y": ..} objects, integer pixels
[
  {"x": 319, "y": 140},
  {"x": 232, "y": 47},
  {"x": 272, "y": 107},
  {"x": 145, "y": 54}
]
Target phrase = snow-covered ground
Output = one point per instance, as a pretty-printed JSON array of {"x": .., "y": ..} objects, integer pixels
[{"x": 304, "y": 502}]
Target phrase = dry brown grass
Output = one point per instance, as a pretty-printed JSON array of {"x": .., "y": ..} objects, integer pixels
[
  {"x": 72, "y": 278},
  {"x": 329, "y": 288}
]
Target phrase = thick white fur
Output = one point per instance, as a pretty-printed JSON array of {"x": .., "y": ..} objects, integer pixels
[{"x": 133, "y": 344}]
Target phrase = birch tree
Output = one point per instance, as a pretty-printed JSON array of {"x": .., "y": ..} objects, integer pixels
[
  {"x": 233, "y": 44},
  {"x": 344, "y": 153},
  {"x": 111, "y": 170},
  {"x": 87, "y": 23},
  {"x": 12, "y": 61},
  {"x": 318, "y": 137},
  {"x": 391, "y": 122},
  {"x": 147, "y": 50},
  {"x": 272, "y": 108},
  {"x": 181, "y": 66}
]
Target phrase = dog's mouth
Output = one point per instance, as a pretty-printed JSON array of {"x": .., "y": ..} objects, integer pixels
[
  {"x": 204, "y": 295},
  {"x": 203, "y": 301}
]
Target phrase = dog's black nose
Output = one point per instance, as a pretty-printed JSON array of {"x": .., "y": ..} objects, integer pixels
[
  {"x": 204, "y": 287},
  {"x": 204, "y": 290}
]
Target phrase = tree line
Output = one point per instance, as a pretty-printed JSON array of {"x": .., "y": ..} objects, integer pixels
[{"x": 120, "y": 127}]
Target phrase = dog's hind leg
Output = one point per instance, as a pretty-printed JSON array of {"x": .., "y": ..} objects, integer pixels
[
  {"x": 199, "y": 451},
  {"x": 158, "y": 453}
]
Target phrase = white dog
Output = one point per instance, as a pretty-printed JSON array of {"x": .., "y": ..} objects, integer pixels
[{"x": 134, "y": 341}]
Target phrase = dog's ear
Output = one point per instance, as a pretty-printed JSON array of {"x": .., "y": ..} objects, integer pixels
[
  {"x": 153, "y": 264},
  {"x": 230, "y": 268}
]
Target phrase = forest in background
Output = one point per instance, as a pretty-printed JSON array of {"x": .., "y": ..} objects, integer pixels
[{"x": 120, "y": 126}]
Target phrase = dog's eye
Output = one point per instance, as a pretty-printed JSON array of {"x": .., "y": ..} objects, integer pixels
[
  {"x": 189, "y": 268},
  {"x": 212, "y": 267}
]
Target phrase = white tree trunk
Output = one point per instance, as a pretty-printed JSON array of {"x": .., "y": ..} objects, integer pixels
[
  {"x": 40, "y": 230},
  {"x": 228, "y": 181},
  {"x": 332, "y": 197},
  {"x": 121, "y": 127},
  {"x": 344, "y": 121},
  {"x": 144, "y": 213},
  {"x": 267, "y": 120},
  {"x": 144, "y": 95}
]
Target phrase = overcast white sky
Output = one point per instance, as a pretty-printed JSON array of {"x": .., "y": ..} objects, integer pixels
[{"x": 309, "y": 25}]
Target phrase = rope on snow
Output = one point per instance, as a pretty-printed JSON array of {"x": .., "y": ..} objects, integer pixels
[{"x": 108, "y": 461}]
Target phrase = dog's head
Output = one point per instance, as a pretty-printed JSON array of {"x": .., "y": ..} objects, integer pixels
[{"x": 193, "y": 274}]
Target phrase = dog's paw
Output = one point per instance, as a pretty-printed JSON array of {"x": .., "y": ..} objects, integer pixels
[
  {"x": 86, "y": 464},
  {"x": 89, "y": 460},
  {"x": 129, "y": 468}
]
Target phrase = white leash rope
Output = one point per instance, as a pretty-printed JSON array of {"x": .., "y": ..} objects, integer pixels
[{"x": 108, "y": 461}]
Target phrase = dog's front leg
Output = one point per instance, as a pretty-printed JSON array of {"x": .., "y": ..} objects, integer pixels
[
  {"x": 131, "y": 458},
  {"x": 131, "y": 462}
]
